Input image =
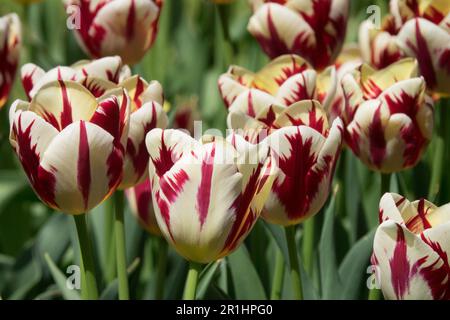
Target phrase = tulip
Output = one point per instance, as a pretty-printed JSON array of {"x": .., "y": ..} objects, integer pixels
[
  {"x": 313, "y": 29},
  {"x": 201, "y": 222},
  {"x": 388, "y": 114},
  {"x": 425, "y": 35},
  {"x": 186, "y": 113},
  {"x": 411, "y": 249},
  {"x": 64, "y": 137},
  {"x": 207, "y": 195},
  {"x": 284, "y": 81},
  {"x": 10, "y": 43},
  {"x": 97, "y": 76},
  {"x": 379, "y": 47},
  {"x": 126, "y": 28}
]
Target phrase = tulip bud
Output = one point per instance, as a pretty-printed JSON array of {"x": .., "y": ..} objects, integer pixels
[
  {"x": 10, "y": 43},
  {"x": 126, "y": 28},
  {"x": 70, "y": 144},
  {"x": 284, "y": 81},
  {"x": 411, "y": 249},
  {"x": 425, "y": 35},
  {"x": 207, "y": 195},
  {"x": 312, "y": 29},
  {"x": 140, "y": 200},
  {"x": 388, "y": 114}
]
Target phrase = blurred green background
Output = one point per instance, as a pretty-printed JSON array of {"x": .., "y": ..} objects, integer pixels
[{"x": 189, "y": 54}]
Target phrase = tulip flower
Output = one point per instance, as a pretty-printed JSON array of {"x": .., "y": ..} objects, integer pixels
[
  {"x": 140, "y": 200},
  {"x": 70, "y": 144},
  {"x": 126, "y": 28},
  {"x": 388, "y": 114},
  {"x": 10, "y": 42},
  {"x": 207, "y": 196},
  {"x": 97, "y": 76},
  {"x": 379, "y": 47},
  {"x": 425, "y": 35},
  {"x": 313, "y": 29},
  {"x": 284, "y": 81},
  {"x": 411, "y": 249}
]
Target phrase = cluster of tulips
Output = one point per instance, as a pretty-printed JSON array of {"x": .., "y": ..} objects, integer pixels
[{"x": 93, "y": 129}]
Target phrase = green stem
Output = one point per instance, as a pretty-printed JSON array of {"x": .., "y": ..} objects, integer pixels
[
  {"x": 385, "y": 183},
  {"x": 278, "y": 277},
  {"x": 162, "y": 266},
  {"x": 293, "y": 262},
  {"x": 89, "y": 290},
  {"x": 308, "y": 244},
  {"x": 191, "y": 281},
  {"x": 121, "y": 257},
  {"x": 110, "y": 248},
  {"x": 375, "y": 294}
]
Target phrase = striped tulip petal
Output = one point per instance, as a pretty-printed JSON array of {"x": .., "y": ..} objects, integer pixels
[
  {"x": 305, "y": 162},
  {"x": 10, "y": 44},
  {"x": 108, "y": 68},
  {"x": 30, "y": 75},
  {"x": 411, "y": 249},
  {"x": 299, "y": 87}
]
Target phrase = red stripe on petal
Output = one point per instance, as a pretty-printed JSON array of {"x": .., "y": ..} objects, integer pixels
[
  {"x": 66, "y": 114},
  {"x": 107, "y": 116},
  {"x": 400, "y": 266},
  {"x": 129, "y": 31},
  {"x": 166, "y": 158},
  {"x": 376, "y": 139},
  {"x": 204, "y": 189},
  {"x": 84, "y": 165},
  {"x": 27, "y": 83}
]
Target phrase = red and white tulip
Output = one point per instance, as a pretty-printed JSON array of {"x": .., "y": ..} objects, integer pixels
[
  {"x": 411, "y": 249},
  {"x": 70, "y": 144},
  {"x": 313, "y": 29},
  {"x": 10, "y": 43},
  {"x": 425, "y": 34},
  {"x": 141, "y": 204},
  {"x": 126, "y": 28},
  {"x": 379, "y": 47},
  {"x": 388, "y": 114},
  {"x": 305, "y": 157},
  {"x": 284, "y": 81},
  {"x": 207, "y": 195}
]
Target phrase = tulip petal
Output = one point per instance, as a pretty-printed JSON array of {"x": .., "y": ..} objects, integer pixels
[
  {"x": 107, "y": 68},
  {"x": 30, "y": 75},
  {"x": 62, "y": 102},
  {"x": 254, "y": 103},
  {"x": 299, "y": 87},
  {"x": 75, "y": 156},
  {"x": 407, "y": 266},
  {"x": 148, "y": 117}
]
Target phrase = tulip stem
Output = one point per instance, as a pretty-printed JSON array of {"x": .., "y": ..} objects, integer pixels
[
  {"x": 89, "y": 290},
  {"x": 278, "y": 277},
  {"x": 119, "y": 231},
  {"x": 191, "y": 281},
  {"x": 162, "y": 265},
  {"x": 385, "y": 183},
  {"x": 293, "y": 262},
  {"x": 110, "y": 248},
  {"x": 308, "y": 244}
]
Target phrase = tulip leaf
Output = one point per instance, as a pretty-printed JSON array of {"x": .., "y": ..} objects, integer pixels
[
  {"x": 277, "y": 233},
  {"x": 245, "y": 278},
  {"x": 206, "y": 277},
  {"x": 61, "y": 280},
  {"x": 327, "y": 255},
  {"x": 353, "y": 268}
]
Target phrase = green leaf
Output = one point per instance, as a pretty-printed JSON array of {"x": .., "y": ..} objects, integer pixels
[
  {"x": 353, "y": 268},
  {"x": 246, "y": 282},
  {"x": 61, "y": 280},
  {"x": 206, "y": 277},
  {"x": 277, "y": 233},
  {"x": 327, "y": 255}
]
